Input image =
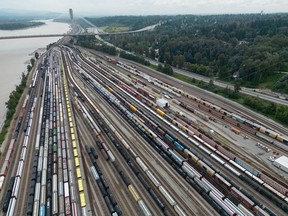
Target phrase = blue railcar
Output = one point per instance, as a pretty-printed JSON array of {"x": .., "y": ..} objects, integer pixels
[
  {"x": 42, "y": 210},
  {"x": 170, "y": 138},
  {"x": 179, "y": 146}
]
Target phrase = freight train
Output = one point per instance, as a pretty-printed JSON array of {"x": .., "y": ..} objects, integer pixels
[
  {"x": 224, "y": 111},
  {"x": 226, "y": 165}
]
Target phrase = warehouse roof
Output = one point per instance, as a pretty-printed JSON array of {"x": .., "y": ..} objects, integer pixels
[
  {"x": 162, "y": 100},
  {"x": 283, "y": 161}
]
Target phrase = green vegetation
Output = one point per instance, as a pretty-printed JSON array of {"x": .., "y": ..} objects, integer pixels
[
  {"x": 153, "y": 67},
  {"x": 92, "y": 43},
  {"x": 251, "y": 47},
  {"x": 274, "y": 111},
  {"x": 281, "y": 85},
  {"x": 19, "y": 25},
  {"x": 127, "y": 22},
  {"x": 135, "y": 58},
  {"x": 12, "y": 103},
  {"x": 269, "y": 82},
  {"x": 167, "y": 69},
  {"x": 115, "y": 28}
]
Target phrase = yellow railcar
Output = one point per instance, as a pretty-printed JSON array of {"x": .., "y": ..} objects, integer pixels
[
  {"x": 160, "y": 112},
  {"x": 134, "y": 193},
  {"x": 82, "y": 199}
]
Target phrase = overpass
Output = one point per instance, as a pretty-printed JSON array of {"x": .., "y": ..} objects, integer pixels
[{"x": 74, "y": 35}]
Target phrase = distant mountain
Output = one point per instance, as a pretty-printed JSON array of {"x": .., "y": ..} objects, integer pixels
[{"x": 12, "y": 14}]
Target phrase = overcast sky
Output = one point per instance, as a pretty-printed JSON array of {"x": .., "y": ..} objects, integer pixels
[{"x": 144, "y": 7}]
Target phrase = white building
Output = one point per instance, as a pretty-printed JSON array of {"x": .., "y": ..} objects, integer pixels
[
  {"x": 282, "y": 163},
  {"x": 162, "y": 103}
]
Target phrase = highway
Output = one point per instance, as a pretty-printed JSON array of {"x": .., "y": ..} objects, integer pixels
[
  {"x": 243, "y": 90},
  {"x": 98, "y": 33},
  {"x": 89, "y": 139}
]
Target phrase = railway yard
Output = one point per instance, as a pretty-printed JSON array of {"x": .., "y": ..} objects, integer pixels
[{"x": 91, "y": 138}]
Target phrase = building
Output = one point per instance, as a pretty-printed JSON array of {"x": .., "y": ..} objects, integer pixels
[
  {"x": 282, "y": 163},
  {"x": 162, "y": 103}
]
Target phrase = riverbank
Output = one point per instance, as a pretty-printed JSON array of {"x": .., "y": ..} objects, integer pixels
[
  {"x": 12, "y": 105},
  {"x": 19, "y": 25},
  {"x": 16, "y": 54}
]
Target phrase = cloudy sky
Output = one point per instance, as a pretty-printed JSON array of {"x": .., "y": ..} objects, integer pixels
[{"x": 144, "y": 7}]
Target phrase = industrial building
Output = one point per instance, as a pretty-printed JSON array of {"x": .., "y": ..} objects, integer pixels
[{"x": 282, "y": 163}]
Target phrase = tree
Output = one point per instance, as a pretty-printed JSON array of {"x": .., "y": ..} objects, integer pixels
[
  {"x": 36, "y": 55},
  {"x": 29, "y": 68},
  {"x": 179, "y": 60},
  {"x": 211, "y": 82},
  {"x": 252, "y": 44},
  {"x": 32, "y": 61},
  {"x": 237, "y": 87},
  {"x": 167, "y": 69},
  {"x": 197, "y": 57},
  {"x": 152, "y": 53},
  {"x": 221, "y": 59}
]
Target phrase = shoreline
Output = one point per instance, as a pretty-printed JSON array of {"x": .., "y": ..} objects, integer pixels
[
  {"x": 14, "y": 118},
  {"x": 23, "y": 28},
  {"x": 16, "y": 54}
]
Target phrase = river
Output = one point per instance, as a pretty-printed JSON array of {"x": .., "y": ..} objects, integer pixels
[{"x": 15, "y": 54}]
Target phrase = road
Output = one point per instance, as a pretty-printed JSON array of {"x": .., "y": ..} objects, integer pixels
[
  {"x": 80, "y": 107},
  {"x": 98, "y": 33},
  {"x": 243, "y": 90}
]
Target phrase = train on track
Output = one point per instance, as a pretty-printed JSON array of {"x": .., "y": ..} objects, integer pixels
[
  {"x": 246, "y": 170},
  {"x": 178, "y": 92}
]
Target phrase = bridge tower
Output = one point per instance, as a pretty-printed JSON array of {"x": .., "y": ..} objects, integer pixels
[{"x": 71, "y": 14}]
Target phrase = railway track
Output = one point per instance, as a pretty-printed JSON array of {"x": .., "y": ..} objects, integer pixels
[
  {"x": 214, "y": 98},
  {"x": 136, "y": 183},
  {"x": 131, "y": 138},
  {"x": 122, "y": 196},
  {"x": 131, "y": 165},
  {"x": 144, "y": 154}
]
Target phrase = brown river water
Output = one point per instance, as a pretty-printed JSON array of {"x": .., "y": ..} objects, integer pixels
[{"x": 16, "y": 53}]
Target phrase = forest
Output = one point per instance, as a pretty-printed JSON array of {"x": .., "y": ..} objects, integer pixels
[
  {"x": 250, "y": 49},
  {"x": 14, "y": 25},
  {"x": 272, "y": 110}
]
